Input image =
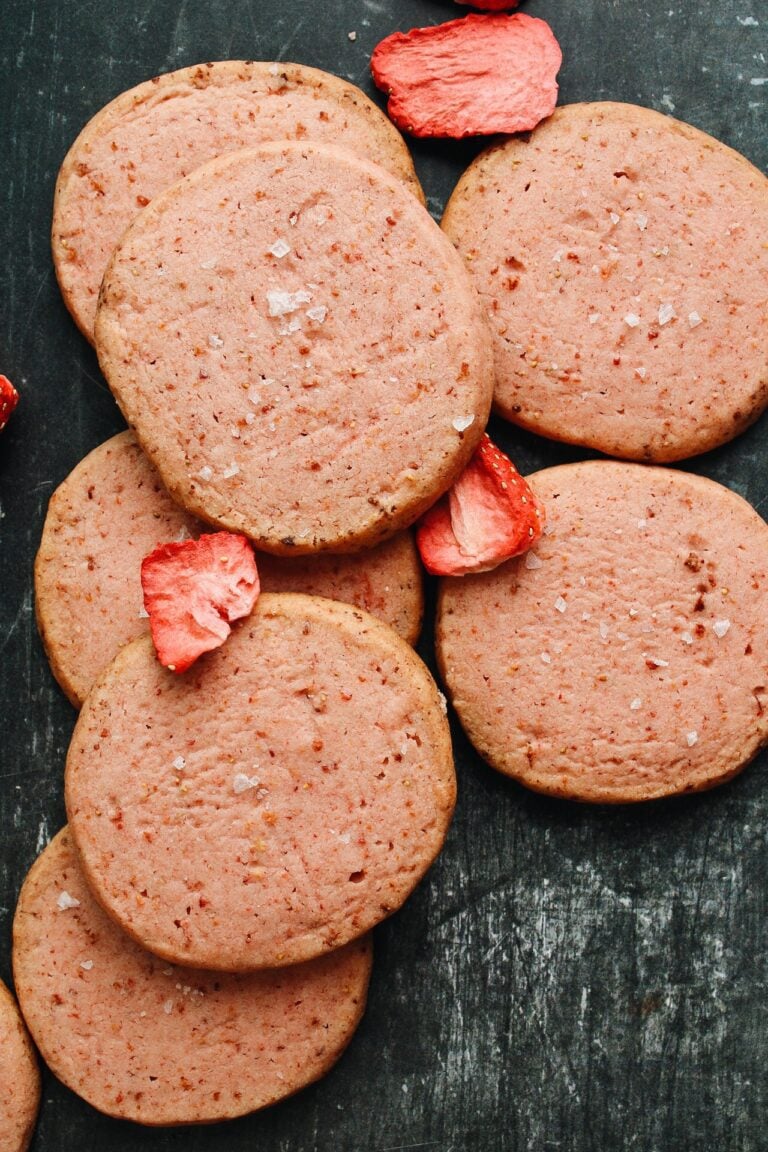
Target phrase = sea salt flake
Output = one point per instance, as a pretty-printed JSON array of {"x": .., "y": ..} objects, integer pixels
[
  {"x": 532, "y": 561},
  {"x": 560, "y": 604},
  {"x": 233, "y": 470},
  {"x": 615, "y": 217},
  {"x": 249, "y": 417},
  {"x": 207, "y": 264},
  {"x": 546, "y": 658},
  {"x": 168, "y": 1007},
  {"x": 86, "y": 965},
  {"x": 461, "y": 423},
  {"x": 283, "y": 303},
  {"x": 205, "y": 473},
  {"x": 603, "y": 629},
  {"x": 179, "y": 764},
  {"x": 280, "y": 249},
  {"x": 65, "y": 901},
  {"x": 691, "y": 738},
  {"x": 558, "y": 255},
  {"x": 641, "y": 220},
  {"x": 666, "y": 313},
  {"x": 694, "y": 319},
  {"x": 632, "y": 319},
  {"x": 686, "y": 638},
  {"x": 747, "y": 21},
  {"x": 318, "y": 314},
  {"x": 243, "y": 783},
  {"x": 215, "y": 341},
  {"x": 291, "y": 327},
  {"x": 593, "y": 317},
  {"x": 143, "y": 614},
  {"x": 636, "y": 703},
  {"x": 641, "y": 372},
  {"x": 720, "y": 627},
  {"x": 253, "y": 395},
  {"x": 642, "y": 523},
  {"x": 352, "y": 36},
  {"x": 657, "y": 662}
]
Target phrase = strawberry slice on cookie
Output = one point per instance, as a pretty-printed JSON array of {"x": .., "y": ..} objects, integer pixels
[{"x": 193, "y": 591}]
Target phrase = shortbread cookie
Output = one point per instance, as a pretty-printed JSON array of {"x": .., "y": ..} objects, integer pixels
[
  {"x": 298, "y": 348},
  {"x": 143, "y": 1041},
  {"x": 19, "y": 1078},
  {"x": 113, "y": 510},
  {"x": 160, "y": 131},
  {"x": 626, "y": 658},
  {"x": 276, "y": 801},
  {"x": 621, "y": 258}
]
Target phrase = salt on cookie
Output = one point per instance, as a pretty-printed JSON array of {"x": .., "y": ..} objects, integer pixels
[
  {"x": 626, "y": 657},
  {"x": 276, "y": 801},
  {"x": 19, "y": 1078},
  {"x": 143, "y": 1041},
  {"x": 154, "y": 134},
  {"x": 298, "y": 348},
  {"x": 620, "y": 257},
  {"x": 112, "y": 511}
]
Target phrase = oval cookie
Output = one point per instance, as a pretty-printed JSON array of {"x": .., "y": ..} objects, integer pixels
[
  {"x": 298, "y": 348},
  {"x": 273, "y": 803},
  {"x": 112, "y": 511},
  {"x": 19, "y": 1078},
  {"x": 626, "y": 658},
  {"x": 146, "y": 1042},
  {"x": 620, "y": 256},
  {"x": 154, "y": 134}
]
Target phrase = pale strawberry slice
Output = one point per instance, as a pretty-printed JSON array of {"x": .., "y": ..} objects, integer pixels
[
  {"x": 193, "y": 591},
  {"x": 9, "y": 398},
  {"x": 490, "y": 515}
]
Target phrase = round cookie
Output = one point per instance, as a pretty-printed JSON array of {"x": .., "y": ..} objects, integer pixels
[
  {"x": 626, "y": 658},
  {"x": 19, "y": 1078},
  {"x": 112, "y": 511},
  {"x": 154, "y": 134},
  {"x": 620, "y": 256},
  {"x": 145, "y": 1042},
  {"x": 273, "y": 803},
  {"x": 315, "y": 400}
]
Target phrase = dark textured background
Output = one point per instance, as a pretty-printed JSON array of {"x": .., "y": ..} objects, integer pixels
[{"x": 566, "y": 978}]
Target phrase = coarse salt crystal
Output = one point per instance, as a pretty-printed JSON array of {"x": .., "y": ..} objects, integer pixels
[
  {"x": 179, "y": 764},
  {"x": 691, "y": 738},
  {"x": 280, "y": 249},
  {"x": 532, "y": 561},
  {"x": 656, "y": 662},
  {"x": 205, "y": 473},
  {"x": 603, "y": 630},
  {"x": 318, "y": 314},
  {"x": 686, "y": 638},
  {"x": 207, "y": 264},
  {"x": 143, "y": 614},
  {"x": 546, "y": 658},
  {"x": 720, "y": 627},
  {"x": 560, "y": 604},
  {"x": 615, "y": 217},
  {"x": 352, "y": 36},
  {"x": 291, "y": 327},
  {"x": 636, "y": 703},
  {"x": 666, "y": 313},
  {"x": 233, "y": 470},
  {"x": 215, "y": 341},
  {"x": 641, "y": 372},
  {"x": 86, "y": 965},
  {"x": 243, "y": 783},
  {"x": 661, "y": 251},
  {"x": 249, "y": 417},
  {"x": 694, "y": 319},
  {"x": 642, "y": 523},
  {"x": 168, "y": 1007},
  {"x": 66, "y": 901},
  {"x": 461, "y": 423},
  {"x": 283, "y": 303},
  {"x": 253, "y": 395},
  {"x": 641, "y": 220},
  {"x": 632, "y": 319},
  {"x": 558, "y": 255},
  {"x": 593, "y": 317}
]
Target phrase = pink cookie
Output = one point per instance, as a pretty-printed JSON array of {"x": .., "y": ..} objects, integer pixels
[
  {"x": 276, "y": 801},
  {"x": 143, "y": 1041},
  {"x": 621, "y": 258},
  {"x": 152, "y": 135},
  {"x": 626, "y": 658},
  {"x": 19, "y": 1078},
  {"x": 298, "y": 348}
]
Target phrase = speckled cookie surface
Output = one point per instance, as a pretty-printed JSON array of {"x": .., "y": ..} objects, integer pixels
[
  {"x": 621, "y": 258},
  {"x": 273, "y": 803},
  {"x": 156, "y": 133},
  {"x": 626, "y": 657},
  {"x": 113, "y": 510},
  {"x": 19, "y": 1078},
  {"x": 144, "y": 1041},
  {"x": 298, "y": 348}
]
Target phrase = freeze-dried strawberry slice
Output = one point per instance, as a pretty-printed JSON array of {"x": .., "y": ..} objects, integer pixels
[
  {"x": 9, "y": 398},
  {"x": 193, "y": 590},
  {"x": 481, "y": 74},
  {"x": 488, "y": 516}
]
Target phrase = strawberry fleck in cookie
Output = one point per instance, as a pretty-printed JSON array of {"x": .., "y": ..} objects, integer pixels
[
  {"x": 626, "y": 657},
  {"x": 151, "y": 136},
  {"x": 144, "y": 1041},
  {"x": 275, "y": 802},
  {"x": 621, "y": 260},
  {"x": 19, "y": 1078},
  {"x": 298, "y": 348}
]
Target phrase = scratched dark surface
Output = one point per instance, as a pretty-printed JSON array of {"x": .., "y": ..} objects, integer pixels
[{"x": 566, "y": 978}]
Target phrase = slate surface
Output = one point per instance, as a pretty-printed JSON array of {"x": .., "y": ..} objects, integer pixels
[{"x": 567, "y": 978}]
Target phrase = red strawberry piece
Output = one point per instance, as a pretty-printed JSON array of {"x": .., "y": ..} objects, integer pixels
[
  {"x": 193, "y": 590},
  {"x": 488, "y": 516},
  {"x": 481, "y": 74},
  {"x": 9, "y": 398}
]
